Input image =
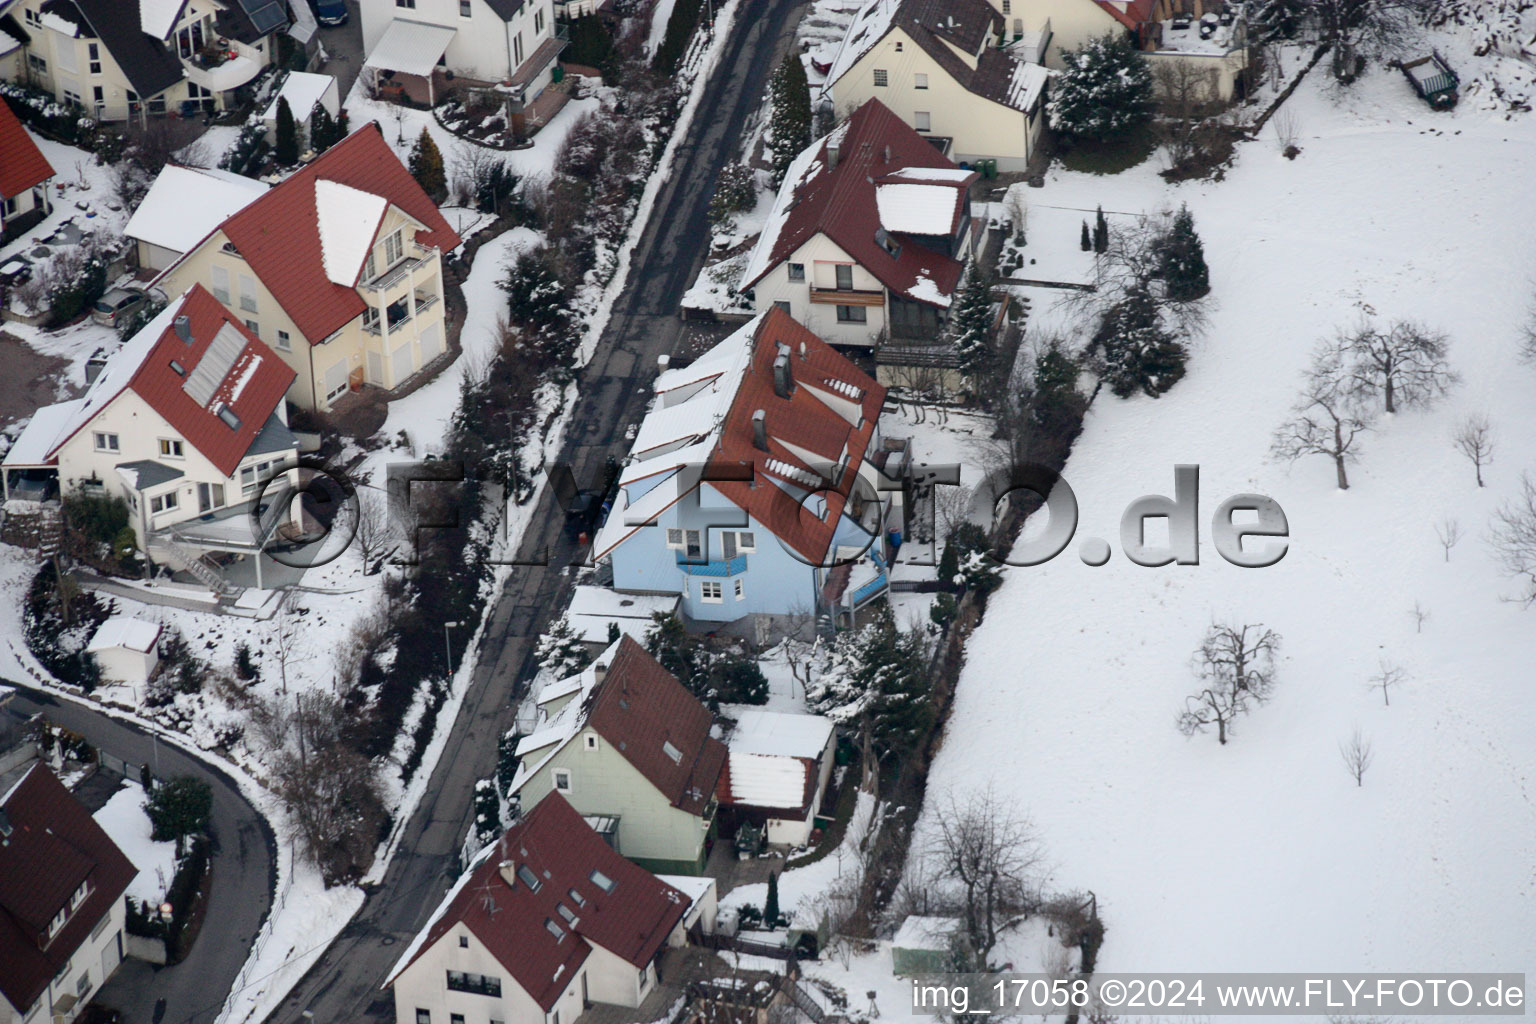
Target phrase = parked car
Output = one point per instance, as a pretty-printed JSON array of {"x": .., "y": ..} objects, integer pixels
[
  {"x": 116, "y": 305},
  {"x": 330, "y": 12}
]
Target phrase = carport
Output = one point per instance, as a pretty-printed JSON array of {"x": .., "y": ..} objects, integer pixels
[{"x": 410, "y": 48}]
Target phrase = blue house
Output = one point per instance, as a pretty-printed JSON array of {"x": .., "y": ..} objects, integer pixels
[{"x": 760, "y": 484}]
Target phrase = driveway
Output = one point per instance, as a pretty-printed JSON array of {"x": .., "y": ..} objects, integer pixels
[
  {"x": 344, "y": 50},
  {"x": 244, "y": 872}
]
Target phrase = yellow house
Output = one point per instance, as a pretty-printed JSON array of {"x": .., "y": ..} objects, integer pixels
[
  {"x": 943, "y": 70},
  {"x": 339, "y": 269}
]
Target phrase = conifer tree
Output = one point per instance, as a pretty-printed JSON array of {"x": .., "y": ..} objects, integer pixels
[
  {"x": 971, "y": 328},
  {"x": 426, "y": 166},
  {"x": 285, "y": 147},
  {"x": 1103, "y": 90},
  {"x": 560, "y": 650},
  {"x": 789, "y": 117},
  {"x": 771, "y": 904},
  {"x": 1139, "y": 353},
  {"x": 322, "y": 129},
  {"x": 1087, "y": 240},
  {"x": 1181, "y": 260},
  {"x": 1100, "y": 232}
]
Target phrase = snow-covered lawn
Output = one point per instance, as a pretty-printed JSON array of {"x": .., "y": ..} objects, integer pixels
[
  {"x": 1264, "y": 854},
  {"x": 123, "y": 818}
]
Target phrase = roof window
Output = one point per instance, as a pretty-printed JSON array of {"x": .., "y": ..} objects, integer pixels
[{"x": 601, "y": 880}]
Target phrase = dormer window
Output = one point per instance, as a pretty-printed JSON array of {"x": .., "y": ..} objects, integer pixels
[{"x": 886, "y": 242}]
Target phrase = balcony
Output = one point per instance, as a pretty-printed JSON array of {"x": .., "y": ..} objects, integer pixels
[
  {"x": 717, "y": 567},
  {"x": 218, "y": 72},
  {"x": 869, "y": 591},
  {"x": 847, "y": 297},
  {"x": 475, "y": 984},
  {"x": 400, "y": 313},
  {"x": 420, "y": 256}
]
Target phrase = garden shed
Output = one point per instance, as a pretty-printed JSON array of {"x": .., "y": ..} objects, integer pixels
[
  {"x": 922, "y": 945},
  {"x": 125, "y": 650}
]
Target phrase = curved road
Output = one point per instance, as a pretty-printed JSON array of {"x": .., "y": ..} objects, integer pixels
[
  {"x": 345, "y": 985},
  {"x": 244, "y": 872}
]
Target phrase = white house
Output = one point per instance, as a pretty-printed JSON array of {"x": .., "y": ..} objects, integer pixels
[
  {"x": 868, "y": 235},
  {"x": 545, "y": 923},
  {"x": 62, "y": 881},
  {"x": 623, "y": 740},
  {"x": 943, "y": 70},
  {"x": 125, "y": 649},
  {"x": 24, "y": 176},
  {"x": 303, "y": 90},
  {"x": 777, "y": 772},
  {"x": 186, "y": 424},
  {"x": 513, "y": 43},
  {"x": 182, "y": 207},
  {"x": 759, "y": 485}
]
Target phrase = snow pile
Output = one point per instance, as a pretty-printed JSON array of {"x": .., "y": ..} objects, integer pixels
[{"x": 123, "y": 819}]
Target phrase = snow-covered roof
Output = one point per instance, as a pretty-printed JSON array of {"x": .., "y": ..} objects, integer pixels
[
  {"x": 1027, "y": 82},
  {"x": 158, "y": 17},
  {"x": 593, "y": 608},
  {"x": 926, "y": 933},
  {"x": 917, "y": 209},
  {"x": 302, "y": 90},
  {"x": 802, "y": 169},
  {"x": 8, "y": 44},
  {"x": 127, "y": 632},
  {"x": 348, "y": 219},
  {"x": 185, "y": 204},
  {"x": 866, "y": 29},
  {"x": 762, "y": 780},
  {"x": 43, "y": 431},
  {"x": 412, "y": 47},
  {"x": 780, "y": 733}
]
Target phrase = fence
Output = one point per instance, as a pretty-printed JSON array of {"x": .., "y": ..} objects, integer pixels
[{"x": 246, "y": 978}]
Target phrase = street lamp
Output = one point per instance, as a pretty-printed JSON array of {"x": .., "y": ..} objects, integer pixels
[{"x": 447, "y": 648}]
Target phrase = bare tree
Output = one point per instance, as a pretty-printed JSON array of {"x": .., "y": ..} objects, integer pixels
[
  {"x": 1387, "y": 676},
  {"x": 337, "y": 808},
  {"x": 1236, "y": 665},
  {"x": 1287, "y": 130},
  {"x": 1356, "y": 752},
  {"x": 1474, "y": 439},
  {"x": 1186, "y": 92},
  {"x": 1356, "y": 29},
  {"x": 1419, "y": 613},
  {"x": 993, "y": 856},
  {"x": 1513, "y": 538},
  {"x": 1406, "y": 364},
  {"x": 375, "y": 535},
  {"x": 1448, "y": 531},
  {"x": 1327, "y": 420}
]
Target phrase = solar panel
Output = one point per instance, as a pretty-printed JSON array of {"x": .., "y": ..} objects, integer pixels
[
  {"x": 266, "y": 15},
  {"x": 210, "y": 370}
]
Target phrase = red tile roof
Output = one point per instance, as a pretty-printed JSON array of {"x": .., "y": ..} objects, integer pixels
[
  {"x": 22, "y": 164},
  {"x": 54, "y": 845},
  {"x": 1136, "y": 12},
  {"x": 840, "y": 202},
  {"x": 803, "y": 420},
  {"x": 638, "y": 708},
  {"x": 279, "y": 233},
  {"x": 632, "y": 920}
]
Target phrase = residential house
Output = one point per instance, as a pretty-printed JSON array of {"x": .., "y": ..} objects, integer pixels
[
  {"x": 512, "y": 43},
  {"x": 868, "y": 235},
  {"x": 625, "y": 741},
  {"x": 760, "y": 484},
  {"x": 24, "y": 177},
  {"x": 338, "y": 268},
  {"x": 127, "y": 59},
  {"x": 776, "y": 773},
  {"x": 547, "y": 922},
  {"x": 185, "y": 423},
  {"x": 941, "y": 68},
  {"x": 62, "y": 881},
  {"x": 183, "y": 206}
]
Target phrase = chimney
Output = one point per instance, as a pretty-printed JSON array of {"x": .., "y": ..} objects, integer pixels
[
  {"x": 783, "y": 378},
  {"x": 834, "y": 153},
  {"x": 183, "y": 328},
  {"x": 600, "y": 672},
  {"x": 662, "y": 362},
  {"x": 760, "y": 430}
]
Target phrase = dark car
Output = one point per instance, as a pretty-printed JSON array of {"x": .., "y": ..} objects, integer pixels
[{"x": 330, "y": 12}]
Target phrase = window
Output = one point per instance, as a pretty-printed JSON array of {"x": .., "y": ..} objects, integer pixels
[
  {"x": 170, "y": 448},
  {"x": 784, "y": 305},
  {"x": 80, "y": 895},
  {"x": 423, "y": 1016},
  {"x": 741, "y": 590},
  {"x": 517, "y": 48},
  {"x": 601, "y": 880},
  {"x": 163, "y": 503},
  {"x": 394, "y": 248},
  {"x": 922, "y": 120},
  {"x": 455, "y": 1018},
  {"x": 577, "y": 898},
  {"x": 38, "y": 65},
  {"x": 1007, "y": 7},
  {"x": 797, "y": 271},
  {"x": 106, "y": 442},
  {"x": 898, "y": 46},
  {"x": 53, "y": 929},
  {"x": 84, "y": 984},
  {"x": 562, "y": 780},
  {"x": 882, "y": 77},
  {"x": 675, "y": 755},
  {"x": 72, "y": 98},
  {"x": 248, "y": 293},
  {"x": 746, "y": 541},
  {"x": 284, "y": 343},
  {"x": 709, "y": 591},
  {"x": 538, "y": 21},
  {"x": 98, "y": 95},
  {"x": 554, "y": 929},
  {"x": 919, "y": 81},
  {"x": 227, "y": 414},
  {"x": 463, "y": 941},
  {"x": 34, "y": 18},
  {"x": 253, "y": 327},
  {"x": 479, "y": 984},
  {"x": 220, "y": 279},
  {"x": 409, "y": 5},
  {"x": 844, "y": 277},
  {"x": 101, "y": 925},
  {"x": 93, "y": 54},
  {"x": 465, "y": 10},
  {"x": 368, "y": 271},
  {"x": 525, "y": 873},
  {"x": 852, "y": 315},
  {"x": 591, "y": 742},
  {"x": 685, "y": 540}
]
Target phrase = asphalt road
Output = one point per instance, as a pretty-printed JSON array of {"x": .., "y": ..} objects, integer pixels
[
  {"x": 244, "y": 872},
  {"x": 344, "y": 986}
]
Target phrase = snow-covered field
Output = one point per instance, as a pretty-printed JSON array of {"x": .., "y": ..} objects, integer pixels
[{"x": 1263, "y": 854}]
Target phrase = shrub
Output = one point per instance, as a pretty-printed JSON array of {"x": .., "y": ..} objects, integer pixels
[
  {"x": 179, "y": 808},
  {"x": 1102, "y": 92},
  {"x": 59, "y": 621}
]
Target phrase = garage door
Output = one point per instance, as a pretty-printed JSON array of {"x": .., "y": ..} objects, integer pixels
[
  {"x": 401, "y": 360},
  {"x": 431, "y": 343}
]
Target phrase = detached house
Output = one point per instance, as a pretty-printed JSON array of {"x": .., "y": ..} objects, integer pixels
[
  {"x": 942, "y": 68},
  {"x": 626, "y": 744},
  {"x": 62, "y": 881},
  {"x": 338, "y": 269},
  {"x": 868, "y": 236},
  {"x": 125, "y": 59},
  {"x": 186, "y": 423},
  {"x": 24, "y": 176},
  {"x": 777, "y": 772},
  {"x": 759, "y": 483},
  {"x": 546, "y": 923}
]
